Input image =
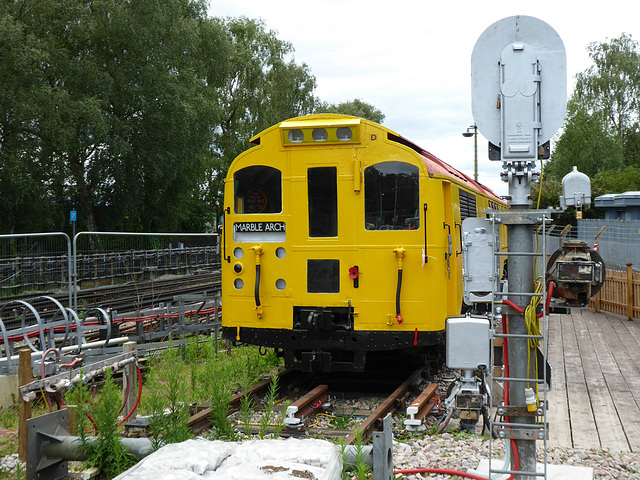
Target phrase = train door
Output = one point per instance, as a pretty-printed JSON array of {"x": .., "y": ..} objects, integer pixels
[
  {"x": 322, "y": 246},
  {"x": 453, "y": 248},
  {"x": 392, "y": 241}
]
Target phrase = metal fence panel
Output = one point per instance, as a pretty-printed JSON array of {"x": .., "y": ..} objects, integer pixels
[
  {"x": 618, "y": 240},
  {"x": 108, "y": 258},
  {"x": 34, "y": 262}
]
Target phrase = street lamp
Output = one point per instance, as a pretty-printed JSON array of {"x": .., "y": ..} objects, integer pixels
[{"x": 473, "y": 134}]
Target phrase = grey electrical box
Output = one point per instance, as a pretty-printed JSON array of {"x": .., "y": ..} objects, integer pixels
[
  {"x": 480, "y": 267},
  {"x": 468, "y": 342},
  {"x": 576, "y": 190}
]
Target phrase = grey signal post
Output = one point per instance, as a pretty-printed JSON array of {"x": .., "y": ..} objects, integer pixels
[{"x": 519, "y": 94}]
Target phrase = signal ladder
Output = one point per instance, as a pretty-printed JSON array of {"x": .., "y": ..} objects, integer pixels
[{"x": 531, "y": 425}]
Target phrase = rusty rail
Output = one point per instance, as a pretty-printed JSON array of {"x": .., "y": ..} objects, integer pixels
[{"x": 390, "y": 405}]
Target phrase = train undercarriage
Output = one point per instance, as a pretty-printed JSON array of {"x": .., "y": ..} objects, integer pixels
[{"x": 324, "y": 340}]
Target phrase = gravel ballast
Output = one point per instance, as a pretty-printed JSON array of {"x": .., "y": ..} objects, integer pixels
[{"x": 454, "y": 452}]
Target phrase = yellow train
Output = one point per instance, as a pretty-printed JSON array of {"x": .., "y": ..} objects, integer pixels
[{"x": 341, "y": 240}]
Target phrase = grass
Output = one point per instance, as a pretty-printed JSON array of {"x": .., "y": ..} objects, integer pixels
[
  {"x": 171, "y": 386},
  {"x": 342, "y": 422}
]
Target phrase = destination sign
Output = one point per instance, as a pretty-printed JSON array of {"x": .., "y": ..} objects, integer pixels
[{"x": 259, "y": 227}]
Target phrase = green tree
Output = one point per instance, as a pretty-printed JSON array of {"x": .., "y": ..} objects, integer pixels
[
  {"x": 585, "y": 143},
  {"x": 616, "y": 181},
  {"x": 602, "y": 132},
  {"x": 25, "y": 205},
  {"x": 612, "y": 84},
  {"x": 122, "y": 106},
  {"x": 264, "y": 87},
  {"x": 356, "y": 107},
  {"x": 131, "y": 112}
]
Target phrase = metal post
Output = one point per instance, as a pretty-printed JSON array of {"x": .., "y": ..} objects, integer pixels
[
  {"x": 475, "y": 152},
  {"x": 629, "y": 291},
  {"x": 24, "y": 377},
  {"x": 521, "y": 273},
  {"x": 513, "y": 61},
  {"x": 131, "y": 379},
  {"x": 467, "y": 134}
]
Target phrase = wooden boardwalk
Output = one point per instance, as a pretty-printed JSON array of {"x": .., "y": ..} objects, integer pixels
[{"x": 595, "y": 397}]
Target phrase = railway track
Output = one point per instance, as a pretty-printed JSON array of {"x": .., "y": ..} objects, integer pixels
[
  {"x": 301, "y": 416},
  {"x": 131, "y": 297}
]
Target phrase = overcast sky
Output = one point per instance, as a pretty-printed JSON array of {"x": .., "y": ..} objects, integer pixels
[{"x": 411, "y": 58}]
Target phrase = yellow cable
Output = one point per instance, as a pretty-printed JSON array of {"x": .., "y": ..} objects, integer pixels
[
  {"x": 44, "y": 397},
  {"x": 531, "y": 321},
  {"x": 318, "y": 421},
  {"x": 240, "y": 422}
]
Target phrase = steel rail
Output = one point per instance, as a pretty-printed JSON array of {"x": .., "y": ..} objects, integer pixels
[{"x": 390, "y": 405}]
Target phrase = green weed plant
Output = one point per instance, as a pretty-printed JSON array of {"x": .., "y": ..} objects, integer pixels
[
  {"x": 168, "y": 399},
  {"x": 104, "y": 451}
]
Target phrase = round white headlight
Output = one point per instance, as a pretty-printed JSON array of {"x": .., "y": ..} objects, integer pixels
[
  {"x": 320, "y": 135},
  {"x": 296, "y": 136},
  {"x": 344, "y": 134}
]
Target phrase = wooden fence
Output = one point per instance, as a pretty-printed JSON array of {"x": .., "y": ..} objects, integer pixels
[{"x": 620, "y": 294}]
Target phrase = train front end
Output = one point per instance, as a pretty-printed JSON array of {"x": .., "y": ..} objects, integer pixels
[{"x": 334, "y": 246}]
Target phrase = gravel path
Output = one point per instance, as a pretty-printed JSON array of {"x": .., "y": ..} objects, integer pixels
[
  {"x": 11, "y": 464},
  {"x": 464, "y": 452},
  {"x": 459, "y": 452}
]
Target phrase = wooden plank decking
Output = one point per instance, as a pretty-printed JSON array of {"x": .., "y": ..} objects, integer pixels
[{"x": 595, "y": 397}]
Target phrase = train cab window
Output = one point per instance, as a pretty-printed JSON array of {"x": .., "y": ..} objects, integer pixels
[
  {"x": 391, "y": 196},
  {"x": 258, "y": 189},
  {"x": 323, "y": 201}
]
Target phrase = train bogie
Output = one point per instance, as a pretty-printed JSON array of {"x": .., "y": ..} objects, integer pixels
[{"x": 342, "y": 238}]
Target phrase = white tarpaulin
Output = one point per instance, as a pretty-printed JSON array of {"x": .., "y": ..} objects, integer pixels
[{"x": 310, "y": 459}]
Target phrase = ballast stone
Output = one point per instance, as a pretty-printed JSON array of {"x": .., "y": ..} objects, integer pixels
[{"x": 251, "y": 460}]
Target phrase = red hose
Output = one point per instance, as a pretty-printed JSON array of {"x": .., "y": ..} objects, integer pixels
[
  {"x": 513, "y": 305},
  {"x": 505, "y": 360},
  {"x": 135, "y": 406},
  {"x": 126, "y": 394},
  {"x": 549, "y": 293},
  {"x": 441, "y": 471},
  {"x": 42, "y": 374},
  {"x": 139, "y": 395}
]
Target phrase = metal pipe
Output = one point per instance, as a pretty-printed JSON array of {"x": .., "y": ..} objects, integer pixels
[
  {"x": 352, "y": 455},
  {"x": 85, "y": 346},
  {"x": 68, "y": 447}
]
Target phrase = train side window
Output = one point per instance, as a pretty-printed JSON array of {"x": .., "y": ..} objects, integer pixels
[
  {"x": 258, "y": 189},
  {"x": 323, "y": 201},
  {"x": 391, "y": 196}
]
